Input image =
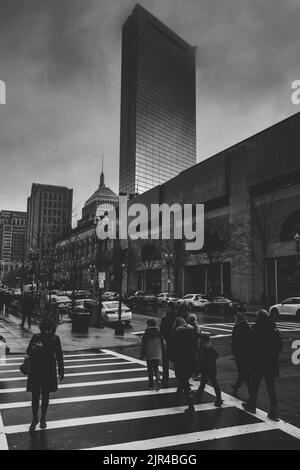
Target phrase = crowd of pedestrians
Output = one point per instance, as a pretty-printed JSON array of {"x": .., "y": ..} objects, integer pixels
[{"x": 179, "y": 340}]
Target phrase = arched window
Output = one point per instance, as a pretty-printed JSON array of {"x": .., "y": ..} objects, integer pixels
[{"x": 290, "y": 227}]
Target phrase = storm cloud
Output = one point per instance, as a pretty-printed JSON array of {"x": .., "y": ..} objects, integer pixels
[{"x": 61, "y": 61}]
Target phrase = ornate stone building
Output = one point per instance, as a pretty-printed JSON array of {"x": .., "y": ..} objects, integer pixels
[{"x": 80, "y": 255}]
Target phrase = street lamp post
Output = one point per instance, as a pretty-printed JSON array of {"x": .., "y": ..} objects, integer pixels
[
  {"x": 169, "y": 262},
  {"x": 297, "y": 241}
]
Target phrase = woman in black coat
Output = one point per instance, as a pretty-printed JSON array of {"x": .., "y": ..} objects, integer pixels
[{"x": 45, "y": 355}]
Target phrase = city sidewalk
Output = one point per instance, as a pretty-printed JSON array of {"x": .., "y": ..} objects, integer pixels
[{"x": 17, "y": 339}]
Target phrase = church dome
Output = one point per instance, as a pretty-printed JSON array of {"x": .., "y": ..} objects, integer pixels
[{"x": 103, "y": 195}]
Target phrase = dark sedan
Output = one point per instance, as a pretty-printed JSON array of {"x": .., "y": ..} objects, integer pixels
[{"x": 225, "y": 305}]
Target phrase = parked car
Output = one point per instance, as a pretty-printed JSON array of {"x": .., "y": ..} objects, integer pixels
[
  {"x": 80, "y": 305},
  {"x": 110, "y": 312},
  {"x": 290, "y": 306},
  {"x": 225, "y": 305},
  {"x": 110, "y": 295},
  {"x": 62, "y": 302},
  {"x": 164, "y": 298},
  {"x": 142, "y": 297},
  {"x": 194, "y": 301}
]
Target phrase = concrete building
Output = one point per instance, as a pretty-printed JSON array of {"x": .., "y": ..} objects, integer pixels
[
  {"x": 158, "y": 105},
  {"x": 49, "y": 215},
  {"x": 12, "y": 240},
  {"x": 251, "y": 193}
]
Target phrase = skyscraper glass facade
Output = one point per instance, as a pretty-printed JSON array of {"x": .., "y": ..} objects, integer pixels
[{"x": 158, "y": 106}]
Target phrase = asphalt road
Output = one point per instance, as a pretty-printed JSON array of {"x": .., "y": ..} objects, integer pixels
[{"x": 103, "y": 403}]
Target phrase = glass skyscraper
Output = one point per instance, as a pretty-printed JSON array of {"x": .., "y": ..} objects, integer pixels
[{"x": 158, "y": 105}]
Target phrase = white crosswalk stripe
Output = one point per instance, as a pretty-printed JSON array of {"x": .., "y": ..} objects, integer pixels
[
  {"x": 225, "y": 329},
  {"x": 113, "y": 409}
]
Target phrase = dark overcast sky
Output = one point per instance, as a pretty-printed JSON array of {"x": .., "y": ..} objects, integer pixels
[{"x": 61, "y": 60}]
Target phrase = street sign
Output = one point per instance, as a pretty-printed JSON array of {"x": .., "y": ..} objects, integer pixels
[{"x": 101, "y": 279}]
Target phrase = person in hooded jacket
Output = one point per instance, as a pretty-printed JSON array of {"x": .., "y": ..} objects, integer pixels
[
  {"x": 183, "y": 354},
  {"x": 266, "y": 348},
  {"x": 151, "y": 351},
  {"x": 241, "y": 349}
]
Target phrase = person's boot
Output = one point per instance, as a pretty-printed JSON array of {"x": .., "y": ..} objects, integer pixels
[
  {"x": 43, "y": 423},
  {"x": 219, "y": 401},
  {"x": 33, "y": 425},
  {"x": 248, "y": 407}
]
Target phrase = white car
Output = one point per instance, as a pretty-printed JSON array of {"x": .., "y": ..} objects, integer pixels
[
  {"x": 164, "y": 297},
  {"x": 79, "y": 303},
  {"x": 194, "y": 301},
  {"x": 110, "y": 312},
  {"x": 290, "y": 306}
]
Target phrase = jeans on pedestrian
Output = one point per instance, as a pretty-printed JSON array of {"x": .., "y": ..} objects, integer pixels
[
  {"x": 165, "y": 364},
  {"x": 243, "y": 374},
  {"x": 212, "y": 378},
  {"x": 256, "y": 379},
  {"x": 27, "y": 316},
  {"x": 185, "y": 387},
  {"x": 152, "y": 366}
]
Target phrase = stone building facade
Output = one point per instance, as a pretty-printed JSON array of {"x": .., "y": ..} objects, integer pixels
[{"x": 81, "y": 255}]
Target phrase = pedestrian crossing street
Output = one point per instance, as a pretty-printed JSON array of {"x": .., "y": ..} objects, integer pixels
[
  {"x": 223, "y": 330},
  {"x": 103, "y": 403}
]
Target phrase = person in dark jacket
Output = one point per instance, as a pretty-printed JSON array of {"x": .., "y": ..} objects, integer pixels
[
  {"x": 1, "y": 301},
  {"x": 45, "y": 355},
  {"x": 208, "y": 368},
  {"x": 183, "y": 354},
  {"x": 27, "y": 307},
  {"x": 151, "y": 351},
  {"x": 240, "y": 347},
  {"x": 192, "y": 320},
  {"x": 166, "y": 326},
  {"x": 265, "y": 351},
  {"x": 7, "y": 303}
]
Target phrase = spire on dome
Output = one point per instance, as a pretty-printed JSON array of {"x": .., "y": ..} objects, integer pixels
[{"x": 102, "y": 174}]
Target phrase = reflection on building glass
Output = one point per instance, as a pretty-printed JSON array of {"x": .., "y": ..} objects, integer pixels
[{"x": 158, "y": 110}]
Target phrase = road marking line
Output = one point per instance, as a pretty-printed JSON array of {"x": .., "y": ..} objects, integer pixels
[
  {"x": 66, "y": 423},
  {"x": 76, "y": 374},
  {"x": 65, "y": 355},
  {"x": 180, "y": 439},
  {"x": 69, "y": 367},
  {"x": 283, "y": 425},
  {"x": 3, "y": 440},
  {"x": 82, "y": 384},
  {"x": 135, "y": 361},
  {"x": 65, "y": 360},
  {"x": 106, "y": 396},
  {"x": 286, "y": 427},
  {"x": 213, "y": 328}
]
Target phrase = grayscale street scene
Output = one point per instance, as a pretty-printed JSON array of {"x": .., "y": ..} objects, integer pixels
[{"x": 149, "y": 226}]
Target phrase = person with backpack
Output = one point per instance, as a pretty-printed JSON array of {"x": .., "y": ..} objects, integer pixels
[
  {"x": 151, "y": 351},
  {"x": 45, "y": 357}
]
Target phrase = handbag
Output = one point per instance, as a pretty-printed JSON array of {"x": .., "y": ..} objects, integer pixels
[{"x": 25, "y": 367}]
